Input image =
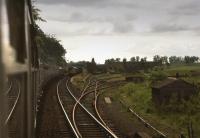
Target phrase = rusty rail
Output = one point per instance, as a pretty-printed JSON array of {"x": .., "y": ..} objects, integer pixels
[
  {"x": 92, "y": 116},
  {"x": 15, "y": 104},
  {"x": 143, "y": 121},
  {"x": 65, "y": 113}
]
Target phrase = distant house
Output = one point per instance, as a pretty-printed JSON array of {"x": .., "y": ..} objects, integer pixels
[{"x": 163, "y": 91}]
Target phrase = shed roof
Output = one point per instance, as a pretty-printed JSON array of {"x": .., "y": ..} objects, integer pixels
[{"x": 166, "y": 82}]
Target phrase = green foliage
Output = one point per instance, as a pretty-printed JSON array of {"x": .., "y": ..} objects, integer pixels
[
  {"x": 91, "y": 66},
  {"x": 182, "y": 69},
  {"x": 49, "y": 48},
  {"x": 133, "y": 59},
  {"x": 128, "y": 89},
  {"x": 176, "y": 60},
  {"x": 160, "y": 59},
  {"x": 175, "y": 116},
  {"x": 191, "y": 59},
  {"x": 36, "y": 15},
  {"x": 181, "y": 60},
  {"x": 137, "y": 95},
  {"x": 170, "y": 119},
  {"x": 157, "y": 76},
  {"x": 179, "y": 113}
]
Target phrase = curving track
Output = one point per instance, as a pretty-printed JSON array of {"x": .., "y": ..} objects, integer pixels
[
  {"x": 52, "y": 122},
  {"x": 9, "y": 88},
  {"x": 82, "y": 113},
  {"x": 12, "y": 120},
  {"x": 66, "y": 112}
]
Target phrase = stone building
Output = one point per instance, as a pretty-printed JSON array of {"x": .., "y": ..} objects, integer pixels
[{"x": 163, "y": 91}]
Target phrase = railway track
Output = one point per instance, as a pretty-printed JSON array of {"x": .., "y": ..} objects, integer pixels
[
  {"x": 52, "y": 121},
  {"x": 9, "y": 88},
  {"x": 82, "y": 113},
  {"x": 100, "y": 114},
  {"x": 12, "y": 121}
]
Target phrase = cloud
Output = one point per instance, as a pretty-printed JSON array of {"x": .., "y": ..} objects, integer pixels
[
  {"x": 190, "y": 8},
  {"x": 169, "y": 28},
  {"x": 124, "y": 17},
  {"x": 143, "y": 27},
  {"x": 84, "y": 21},
  {"x": 72, "y": 2},
  {"x": 122, "y": 27},
  {"x": 174, "y": 28},
  {"x": 90, "y": 3},
  {"x": 77, "y": 17}
]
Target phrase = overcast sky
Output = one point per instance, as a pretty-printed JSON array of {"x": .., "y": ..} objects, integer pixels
[{"x": 123, "y": 28}]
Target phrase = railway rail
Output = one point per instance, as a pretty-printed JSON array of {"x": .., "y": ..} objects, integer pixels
[
  {"x": 96, "y": 96},
  {"x": 16, "y": 100},
  {"x": 65, "y": 113},
  {"x": 161, "y": 134},
  {"x": 81, "y": 112},
  {"x": 12, "y": 121},
  {"x": 9, "y": 88},
  {"x": 50, "y": 109}
]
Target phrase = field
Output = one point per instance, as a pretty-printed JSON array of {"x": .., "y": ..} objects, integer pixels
[
  {"x": 182, "y": 69},
  {"x": 78, "y": 80},
  {"x": 138, "y": 97}
]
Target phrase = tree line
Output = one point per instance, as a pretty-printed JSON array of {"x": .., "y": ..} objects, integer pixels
[
  {"x": 158, "y": 58},
  {"x": 135, "y": 63},
  {"x": 132, "y": 59},
  {"x": 176, "y": 59}
]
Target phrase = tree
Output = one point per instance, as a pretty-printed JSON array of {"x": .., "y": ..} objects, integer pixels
[
  {"x": 192, "y": 59},
  {"x": 112, "y": 60},
  {"x": 164, "y": 60},
  {"x": 133, "y": 59},
  {"x": 107, "y": 61},
  {"x": 125, "y": 64},
  {"x": 36, "y": 15},
  {"x": 172, "y": 59},
  {"x": 161, "y": 59},
  {"x": 117, "y": 60},
  {"x": 124, "y": 60},
  {"x": 157, "y": 58},
  {"x": 175, "y": 60},
  {"x": 137, "y": 58},
  {"x": 187, "y": 59},
  {"x": 143, "y": 60},
  {"x": 91, "y": 66},
  {"x": 157, "y": 76},
  {"x": 49, "y": 48}
]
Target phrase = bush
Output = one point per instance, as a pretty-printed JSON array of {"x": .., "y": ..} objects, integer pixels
[
  {"x": 158, "y": 76},
  {"x": 127, "y": 89}
]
